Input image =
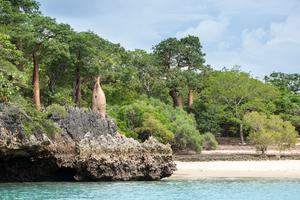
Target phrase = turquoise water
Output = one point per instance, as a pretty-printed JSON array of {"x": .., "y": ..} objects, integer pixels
[{"x": 214, "y": 190}]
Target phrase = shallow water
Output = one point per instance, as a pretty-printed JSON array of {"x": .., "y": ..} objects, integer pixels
[{"x": 160, "y": 190}]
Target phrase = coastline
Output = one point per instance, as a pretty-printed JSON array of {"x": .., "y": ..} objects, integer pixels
[{"x": 274, "y": 169}]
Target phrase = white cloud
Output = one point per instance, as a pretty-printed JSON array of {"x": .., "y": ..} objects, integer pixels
[
  {"x": 209, "y": 31},
  {"x": 276, "y": 48},
  {"x": 287, "y": 31},
  {"x": 266, "y": 7}
]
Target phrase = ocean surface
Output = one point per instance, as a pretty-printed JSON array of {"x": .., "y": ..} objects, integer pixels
[{"x": 160, "y": 190}]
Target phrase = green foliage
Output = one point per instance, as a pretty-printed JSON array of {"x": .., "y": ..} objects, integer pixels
[
  {"x": 265, "y": 131},
  {"x": 153, "y": 127},
  {"x": 62, "y": 96},
  {"x": 32, "y": 120},
  {"x": 210, "y": 142},
  {"x": 7, "y": 87},
  {"x": 261, "y": 140},
  {"x": 208, "y": 116},
  {"x": 286, "y": 82},
  {"x": 154, "y": 118},
  {"x": 181, "y": 64},
  {"x": 57, "y": 111},
  {"x": 187, "y": 137},
  {"x": 235, "y": 92},
  {"x": 286, "y": 136},
  {"x": 8, "y": 50}
]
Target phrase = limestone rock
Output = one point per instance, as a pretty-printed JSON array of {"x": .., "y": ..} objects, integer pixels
[{"x": 88, "y": 148}]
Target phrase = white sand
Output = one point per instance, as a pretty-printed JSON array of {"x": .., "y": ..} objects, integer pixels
[{"x": 237, "y": 169}]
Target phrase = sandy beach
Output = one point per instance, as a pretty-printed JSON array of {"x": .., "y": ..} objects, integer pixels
[{"x": 237, "y": 169}]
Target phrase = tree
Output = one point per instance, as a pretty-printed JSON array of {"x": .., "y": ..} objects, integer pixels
[
  {"x": 45, "y": 33},
  {"x": 15, "y": 21},
  {"x": 16, "y": 12},
  {"x": 147, "y": 71},
  {"x": 191, "y": 59},
  {"x": 84, "y": 50},
  {"x": 288, "y": 103},
  {"x": 30, "y": 32},
  {"x": 289, "y": 82},
  {"x": 265, "y": 131},
  {"x": 260, "y": 135},
  {"x": 168, "y": 55},
  {"x": 239, "y": 93},
  {"x": 285, "y": 136}
]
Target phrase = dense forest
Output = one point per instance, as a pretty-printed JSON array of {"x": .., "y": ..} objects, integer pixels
[{"x": 169, "y": 93}]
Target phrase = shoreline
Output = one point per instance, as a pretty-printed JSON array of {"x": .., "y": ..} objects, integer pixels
[{"x": 273, "y": 169}]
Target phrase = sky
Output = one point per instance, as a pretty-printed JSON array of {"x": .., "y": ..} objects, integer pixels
[{"x": 261, "y": 36}]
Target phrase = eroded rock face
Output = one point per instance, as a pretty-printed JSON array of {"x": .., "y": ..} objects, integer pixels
[{"x": 89, "y": 148}]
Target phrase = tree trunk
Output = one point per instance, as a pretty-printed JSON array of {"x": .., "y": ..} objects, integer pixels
[
  {"x": 177, "y": 101},
  {"x": 77, "y": 91},
  {"x": 36, "y": 84},
  {"x": 242, "y": 134},
  {"x": 190, "y": 99},
  {"x": 99, "y": 100}
]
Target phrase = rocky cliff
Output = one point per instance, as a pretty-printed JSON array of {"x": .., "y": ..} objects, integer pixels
[{"x": 88, "y": 148}]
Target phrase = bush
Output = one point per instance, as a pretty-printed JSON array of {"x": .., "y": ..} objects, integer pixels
[
  {"x": 62, "y": 96},
  {"x": 32, "y": 120},
  {"x": 261, "y": 139},
  {"x": 266, "y": 131},
  {"x": 7, "y": 87},
  {"x": 210, "y": 142},
  {"x": 153, "y": 127},
  {"x": 153, "y": 117},
  {"x": 186, "y": 137},
  {"x": 286, "y": 137},
  {"x": 56, "y": 111}
]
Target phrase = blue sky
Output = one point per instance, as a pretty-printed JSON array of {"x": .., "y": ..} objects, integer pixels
[{"x": 260, "y": 35}]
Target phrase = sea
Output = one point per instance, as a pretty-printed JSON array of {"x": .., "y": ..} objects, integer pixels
[{"x": 155, "y": 190}]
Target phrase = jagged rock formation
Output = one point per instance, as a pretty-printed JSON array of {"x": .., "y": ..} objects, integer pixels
[{"x": 88, "y": 148}]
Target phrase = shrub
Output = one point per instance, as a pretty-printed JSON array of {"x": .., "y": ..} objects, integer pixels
[
  {"x": 265, "y": 131},
  {"x": 186, "y": 134},
  {"x": 285, "y": 138},
  {"x": 153, "y": 117},
  {"x": 261, "y": 139},
  {"x": 56, "y": 111},
  {"x": 38, "y": 122},
  {"x": 153, "y": 127},
  {"x": 62, "y": 96},
  {"x": 7, "y": 87},
  {"x": 210, "y": 142},
  {"x": 131, "y": 115},
  {"x": 186, "y": 137},
  {"x": 33, "y": 121}
]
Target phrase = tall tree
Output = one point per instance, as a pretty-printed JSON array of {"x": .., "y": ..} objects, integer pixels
[
  {"x": 239, "y": 93},
  {"x": 191, "y": 59},
  {"x": 168, "y": 55},
  {"x": 83, "y": 49},
  {"x": 288, "y": 104},
  {"x": 146, "y": 69},
  {"x": 45, "y": 33}
]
